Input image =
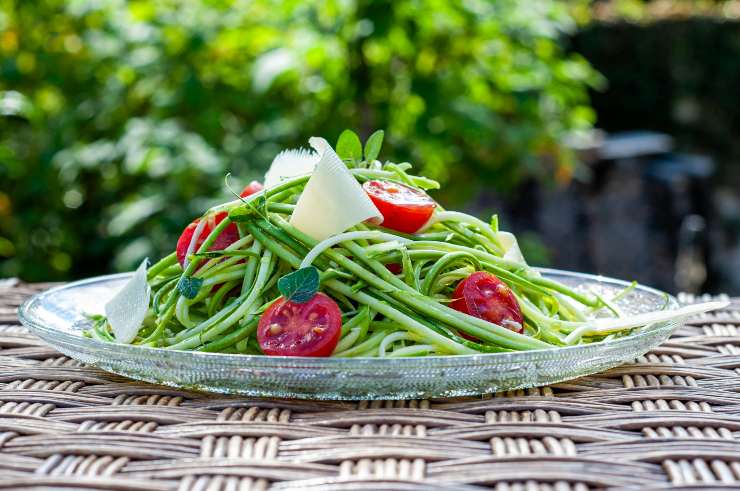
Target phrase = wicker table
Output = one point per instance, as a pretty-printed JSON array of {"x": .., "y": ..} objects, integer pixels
[{"x": 671, "y": 419}]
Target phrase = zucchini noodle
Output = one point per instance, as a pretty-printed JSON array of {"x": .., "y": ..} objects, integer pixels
[{"x": 338, "y": 239}]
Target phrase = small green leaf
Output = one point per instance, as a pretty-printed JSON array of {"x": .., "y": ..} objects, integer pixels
[
  {"x": 299, "y": 286},
  {"x": 373, "y": 144},
  {"x": 494, "y": 223},
  {"x": 189, "y": 286},
  {"x": 349, "y": 146}
]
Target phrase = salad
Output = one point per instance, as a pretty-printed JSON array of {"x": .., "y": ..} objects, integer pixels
[{"x": 339, "y": 254}]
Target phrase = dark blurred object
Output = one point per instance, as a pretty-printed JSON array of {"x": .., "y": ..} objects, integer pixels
[
  {"x": 633, "y": 144},
  {"x": 678, "y": 75},
  {"x": 642, "y": 213},
  {"x": 691, "y": 267},
  {"x": 680, "y": 192}
]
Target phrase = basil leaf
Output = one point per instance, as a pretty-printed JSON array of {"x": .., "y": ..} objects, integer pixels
[
  {"x": 189, "y": 286},
  {"x": 299, "y": 286},
  {"x": 349, "y": 146},
  {"x": 373, "y": 144}
]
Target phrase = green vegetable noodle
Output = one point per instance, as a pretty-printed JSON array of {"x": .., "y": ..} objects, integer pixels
[{"x": 352, "y": 259}]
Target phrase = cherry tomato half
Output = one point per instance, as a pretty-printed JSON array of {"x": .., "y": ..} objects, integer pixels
[
  {"x": 403, "y": 208},
  {"x": 251, "y": 188},
  {"x": 225, "y": 239},
  {"x": 312, "y": 328},
  {"x": 485, "y": 296}
]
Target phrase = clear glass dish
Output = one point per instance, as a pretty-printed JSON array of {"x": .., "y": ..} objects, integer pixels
[{"x": 57, "y": 316}]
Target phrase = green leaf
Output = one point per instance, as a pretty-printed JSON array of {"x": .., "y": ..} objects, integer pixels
[
  {"x": 189, "y": 286},
  {"x": 373, "y": 144},
  {"x": 299, "y": 286},
  {"x": 349, "y": 146}
]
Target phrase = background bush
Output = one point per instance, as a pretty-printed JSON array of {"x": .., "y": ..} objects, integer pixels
[{"x": 120, "y": 119}]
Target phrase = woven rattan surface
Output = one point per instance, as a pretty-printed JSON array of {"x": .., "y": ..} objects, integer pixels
[{"x": 670, "y": 419}]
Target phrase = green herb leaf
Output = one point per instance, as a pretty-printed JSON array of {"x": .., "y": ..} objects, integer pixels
[
  {"x": 299, "y": 286},
  {"x": 189, "y": 286},
  {"x": 373, "y": 144},
  {"x": 349, "y": 146}
]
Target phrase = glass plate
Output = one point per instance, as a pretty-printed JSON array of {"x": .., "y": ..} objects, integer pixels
[{"x": 56, "y": 316}]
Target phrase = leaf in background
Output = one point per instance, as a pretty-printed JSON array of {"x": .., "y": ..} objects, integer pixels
[
  {"x": 373, "y": 144},
  {"x": 189, "y": 286},
  {"x": 14, "y": 103},
  {"x": 129, "y": 214},
  {"x": 299, "y": 286},
  {"x": 349, "y": 146},
  {"x": 271, "y": 65}
]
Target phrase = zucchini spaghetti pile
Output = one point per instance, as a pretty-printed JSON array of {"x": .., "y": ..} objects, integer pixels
[{"x": 339, "y": 254}]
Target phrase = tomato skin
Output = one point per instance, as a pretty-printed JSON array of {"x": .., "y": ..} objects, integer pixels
[
  {"x": 251, "y": 188},
  {"x": 394, "y": 268},
  {"x": 229, "y": 235},
  {"x": 311, "y": 329},
  {"x": 403, "y": 208},
  {"x": 485, "y": 296}
]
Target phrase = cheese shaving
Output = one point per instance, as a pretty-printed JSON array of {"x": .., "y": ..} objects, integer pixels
[
  {"x": 290, "y": 163},
  {"x": 332, "y": 200},
  {"x": 127, "y": 309}
]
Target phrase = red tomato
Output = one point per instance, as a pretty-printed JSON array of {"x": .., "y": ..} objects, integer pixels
[
  {"x": 394, "y": 268},
  {"x": 226, "y": 238},
  {"x": 485, "y": 296},
  {"x": 403, "y": 208},
  {"x": 300, "y": 329},
  {"x": 251, "y": 188}
]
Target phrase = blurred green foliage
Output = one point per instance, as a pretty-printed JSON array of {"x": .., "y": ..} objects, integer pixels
[{"x": 120, "y": 119}]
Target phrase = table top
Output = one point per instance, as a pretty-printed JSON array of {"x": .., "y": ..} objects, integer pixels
[{"x": 669, "y": 420}]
